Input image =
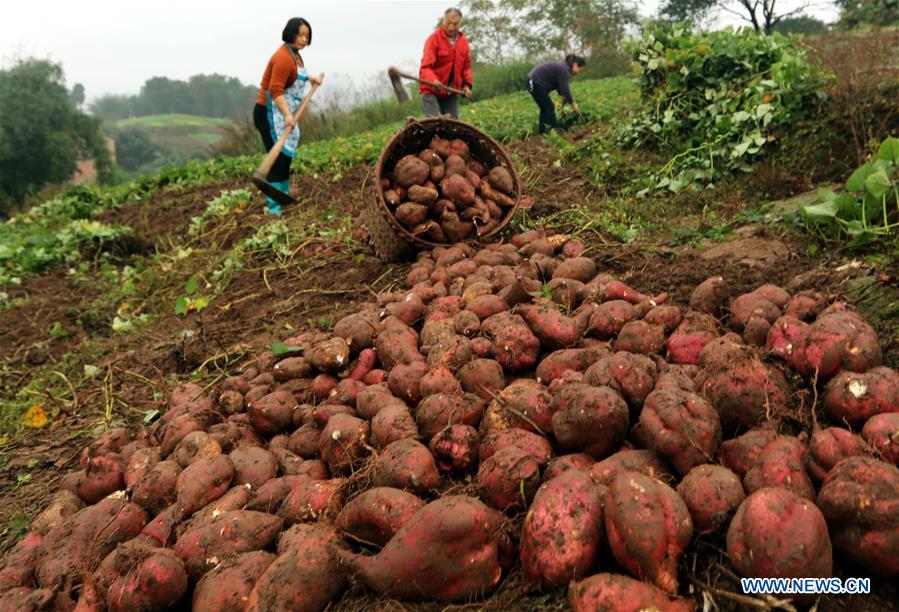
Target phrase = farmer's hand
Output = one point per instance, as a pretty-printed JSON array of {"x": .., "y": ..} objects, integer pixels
[
  {"x": 317, "y": 80},
  {"x": 575, "y": 108},
  {"x": 289, "y": 121},
  {"x": 467, "y": 91}
]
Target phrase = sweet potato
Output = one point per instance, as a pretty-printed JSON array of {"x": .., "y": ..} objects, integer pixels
[
  {"x": 609, "y": 317},
  {"x": 193, "y": 446},
  {"x": 515, "y": 346},
  {"x": 343, "y": 442},
  {"x": 782, "y": 463},
  {"x": 406, "y": 464},
  {"x": 712, "y": 494},
  {"x": 420, "y": 195},
  {"x": 646, "y": 462},
  {"x": 377, "y": 514},
  {"x": 102, "y": 476},
  {"x": 225, "y": 535},
  {"x": 63, "y": 505},
  {"x": 534, "y": 444},
  {"x": 640, "y": 337},
  {"x": 594, "y": 421},
  {"x": 410, "y": 170},
  {"x": 305, "y": 576},
  {"x": 501, "y": 179},
  {"x": 158, "y": 488},
  {"x": 291, "y": 367},
  {"x": 485, "y": 306},
  {"x": 648, "y": 526},
  {"x": 18, "y": 567},
  {"x": 227, "y": 587},
  {"x": 858, "y": 499},
  {"x": 311, "y": 500},
  {"x": 839, "y": 339},
  {"x": 272, "y": 413},
  {"x": 632, "y": 375},
  {"x": 777, "y": 534},
  {"x": 323, "y": 385},
  {"x": 577, "y": 360},
  {"x": 397, "y": 345},
  {"x": 455, "y": 449},
  {"x": 438, "y": 411},
  {"x": 304, "y": 441},
  {"x": 439, "y": 379},
  {"x": 751, "y": 305},
  {"x": 856, "y": 397},
  {"x": 552, "y": 328},
  {"x": 741, "y": 453},
  {"x": 86, "y": 538},
  {"x": 203, "y": 482},
  {"x": 881, "y": 431},
  {"x": 805, "y": 306},
  {"x": 623, "y": 594},
  {"x": 669, "y": 317},
  {"x": 358, "y": 329},
  {"x": 509, "y": 478},
  {"x": 403, "y": 381},
  {"x": 756, "y": 330},
  {"x": 567, "y": 293},
  {"x": 744, "y": 390},
  {"x": 784, "y": 335},
  {"x": 448, "y": 551},
  {"x": 532, "y": 410},
  {"x": 155, "y": 580},
  {"x": 561, "y": 534},
  {"x": 253, "y": 466},
  {"x": 827, "y": 447},
  {"x": 563, "y": 463},
  {"x": 393, "y": 423},
  {"x": 269, "y": 496},
  {"x": 682, "y": 427},
  {"x": 329, "y": 356},
  {"x": 695, "y": 331},
  {"x": 483, "y": 377},
  {"x": 454, "y": 165}
]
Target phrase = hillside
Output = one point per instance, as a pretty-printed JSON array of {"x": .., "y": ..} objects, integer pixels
[
  {"x": 110, "y": 298},
  {"x": 188, "y": 136}
]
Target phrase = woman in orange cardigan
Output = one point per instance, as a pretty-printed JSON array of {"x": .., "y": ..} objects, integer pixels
[{"x": 280, "y": 93}]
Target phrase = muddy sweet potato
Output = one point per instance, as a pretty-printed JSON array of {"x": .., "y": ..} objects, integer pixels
[
  {"x": 712, "y": 494},
  {"x": 102, "y": 476},
  {"x": 227, "y": 587},
  {"x": 410, "y": 170},
  {"x": 782, "y": 463},
  {"x": 438, "y": 411},
  {"x": 561, "y": 533},
  {"x": 158, "y": 488},
  {"x": 607, "y": 592},
  {"x": 193, "y": 446},
  {"x": 438, "y": 379},
  {"x": 393, "y": 423},
  {"x": 343, "y": 442},
  {"x": 632, "y": 375},
  {"x": 312, "y": 500},
  {"x": 648, "y": 527},
  {"x": 397, "y": 345},
  {"x": 515, "y": 346},
  {"x": 640, "y": 337},
  {"x": 87, "y": 537},
  {"x": 155, "y": 580},
  {"x": 483, "y": 377},
  {"x": 19, "y": 565},
  {"x": 609, "y": 317},
  {"x": 448, "y": 551},
  {"x": 358, "y": 329},
  {"x": 859, "y": 499},
  {"x": 563, "y": 463},
  {"x": 856, "y": 397},
  {"x": 403, "y": 381},
  {"x": 827, "y": 447},
  {"x": 330, "y": 356},
  {"x": 377, "y": 514},
  {"x": 253, "y": 466},
  {"x": 225, "y": 535},
  {"x": 554, "y": 329},
  {"x": 839, "y": 339},
  {"x": 202, "y": 482},
  {"x": 63, "y": 505},
  {"x": 689, "y": 338},
  {"x": 594, "y": 421},
  {"x": 272, "y": 413},
  {"x": 682, "y": 427},
  {"x": 455, "y": 449},
  {"x": 784, "y": 336},
  {"x": 741, "y": 453},
  {"x": 553, "y": 365},
  {"x": 406, "y": 464},
  {"x": 777, "y": 534},
  {"x": 508, "y": 479},
  {"x": 532, "y": 410},
  {"x": 749, "y": 305},
  {"x": 881, "y": 431}
]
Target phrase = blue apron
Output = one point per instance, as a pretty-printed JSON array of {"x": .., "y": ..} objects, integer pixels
[{"x": 293, "y": 95}]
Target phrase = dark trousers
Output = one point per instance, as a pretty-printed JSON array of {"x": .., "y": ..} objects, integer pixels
[
  {"x": 547, "y": 119},
  {"x": 440, "y": 105},
  {"x": 281, "y": 168}
]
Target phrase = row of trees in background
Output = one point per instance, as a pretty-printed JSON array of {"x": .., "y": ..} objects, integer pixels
[
  {"x": 204, "y": 95},
  {"x": 42, "y": 132}
]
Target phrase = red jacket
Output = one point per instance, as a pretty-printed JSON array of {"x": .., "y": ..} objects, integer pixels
[{"x": 441, "y": 59}]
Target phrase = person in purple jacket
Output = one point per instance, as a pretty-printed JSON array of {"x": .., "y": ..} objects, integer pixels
[{"x": 553, "y": 76}]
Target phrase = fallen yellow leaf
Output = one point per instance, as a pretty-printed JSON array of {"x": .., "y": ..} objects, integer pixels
[{"x": 35, "y": 417}]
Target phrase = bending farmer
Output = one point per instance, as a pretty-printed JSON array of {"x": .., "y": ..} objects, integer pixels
[
  {"x": 281, "y": 91},
  {"x": 447, "y": 60},
  {"x": 553, "y": 76}
]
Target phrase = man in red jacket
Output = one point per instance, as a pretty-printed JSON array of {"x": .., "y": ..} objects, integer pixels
[{"x": 447, "y": 60}]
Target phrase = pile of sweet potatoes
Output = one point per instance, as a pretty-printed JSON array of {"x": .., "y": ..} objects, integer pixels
[
  {"x": 515, "y": 406},
  {"x": 444, "y": 194}
]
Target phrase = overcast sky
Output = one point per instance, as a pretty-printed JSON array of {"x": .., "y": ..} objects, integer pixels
[{"x": 114, "y": 46}]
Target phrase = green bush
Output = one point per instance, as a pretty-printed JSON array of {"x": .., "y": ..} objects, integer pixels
[{"x": 715, "y": 101}]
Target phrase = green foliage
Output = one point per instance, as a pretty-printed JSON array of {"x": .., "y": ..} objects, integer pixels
[
  {"x": 212, "y": 95},
  {"x": 42, "y": 134},
  {"x": 868, "y": 208},
  {"x": 878, "y": 13},
  {"x": 135, "y": 149},
  {"x": 803, "y": 24},
  {"x": 715, "y": 101}
]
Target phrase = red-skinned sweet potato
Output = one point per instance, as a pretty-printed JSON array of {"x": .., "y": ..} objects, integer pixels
[
  {"x": 563, "y": 463},
  {"x": 158, "y": 488},
  {"x": 312, "y": 500},
  {"x": 203, "y": 482},
  {"x": 438, "y": 411},
  {"x": 19, "y": 565},
  {"x": 777, "y": 534},
  {"x": 155, "y": 580},
  {"x": 741, "y": 453},
  {"x": 343, "y": 442},
  {"x": 63, "y": 505},
  {"x": 859, "y": 498},
  {"x": 403, "y": 381},
  {"x": 376, "y": 515},
  {"x": 646, "y": 462},
  {"x": 195, "y": 445},
  {"x": 561, "y": 534},
  {"x": 393, "y": 423},
  {"x": 681, "y": 426},
  {"x": 839, "y": 339},
  {"x": 455, "y": 449},
  {"x": 856, "y": 397},
  {"x": 632, "y": 375},
  {"x": 272, "y": 413},
  {"x": 881, "y": 431},
  {"x": 253, "y": 466},
  {"x": 448, "y": 551},
  {"x": 640, "y": 337},
  {"x": 648, "y": 526},
  {"x": 623, "y": 594},
  {"x": 827, "y": 447},
  {"x": 227, "y": 587},
  {"x": 406, "y": 464},
  {"x": 534, "y": 444},
  {"x": 397, "y": 345},
  {"x": 594, "y": 421},
  {"x": 438, "y": 379},
  {"x": 712, "y": 494},
  {"x": 609, "y": 317},
  {"x": 552, "y": 328},
  {"x": 695, "y": 331},
  {"x": 782, "y": 463},
  {"x": 515, "y": 346},
  {"x": 508, "y": 479}
]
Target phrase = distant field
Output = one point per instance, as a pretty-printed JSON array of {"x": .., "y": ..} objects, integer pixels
[{"x": 188, "y": 134}]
